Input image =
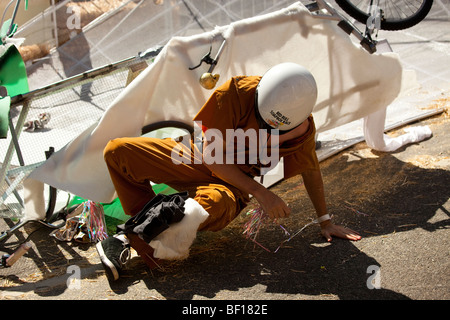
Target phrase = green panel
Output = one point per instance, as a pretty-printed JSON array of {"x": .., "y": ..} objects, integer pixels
[
  {"x": 4, "y": 116},
  {"x": 13, "y": 74}
]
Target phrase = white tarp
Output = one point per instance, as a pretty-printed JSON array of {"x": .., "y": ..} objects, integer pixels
[{"x": 352, "y": 85}]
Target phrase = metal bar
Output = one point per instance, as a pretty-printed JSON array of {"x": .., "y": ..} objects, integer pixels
[
  {"x": 11, "y": 26},
  {"x": 6, "y": 234},
  {"x": 216, "y": 59},
  {"x": 8, "y": 157},
  {"x": 16, "y": 142},
  {"x": 12, "y": 187},
  {"x": 105, "y": 70},
  {"x": 16, "y": 194},
  {"x": 366, "y": 42},
  {"x": 55, "y": 26}
]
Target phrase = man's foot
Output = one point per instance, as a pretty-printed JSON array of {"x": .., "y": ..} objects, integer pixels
[{"x": 114, "y": 253}]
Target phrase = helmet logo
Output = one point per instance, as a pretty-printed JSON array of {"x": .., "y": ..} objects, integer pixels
[
  {"x": 274, "y": 124},
  {"x": 278, "y": 119}
]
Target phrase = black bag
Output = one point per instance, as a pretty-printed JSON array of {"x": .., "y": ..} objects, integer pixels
[{"x": 156, "y": 216}]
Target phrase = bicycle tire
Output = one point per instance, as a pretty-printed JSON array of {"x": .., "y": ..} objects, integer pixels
[
  {"x": 50, "y": 215},
  {"x": 167, "y": 124},
  {"x": 410, "y": 14}
]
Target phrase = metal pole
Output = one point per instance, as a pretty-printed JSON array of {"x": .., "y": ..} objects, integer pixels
[{"x": 13, "y": 18}]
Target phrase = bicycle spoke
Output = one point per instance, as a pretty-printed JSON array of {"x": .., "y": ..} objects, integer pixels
[
  {"x": 398, "y": 10},
  {"x": 393, "y": 10}
]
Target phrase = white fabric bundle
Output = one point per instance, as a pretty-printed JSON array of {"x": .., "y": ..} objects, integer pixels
[
  {"x": 378, "y": 140},
  {"x": 174, "y": 242}
]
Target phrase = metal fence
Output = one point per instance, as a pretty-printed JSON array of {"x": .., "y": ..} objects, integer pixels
[{"x": 73, "y": 105}]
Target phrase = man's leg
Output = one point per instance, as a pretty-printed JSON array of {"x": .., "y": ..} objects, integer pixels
[
  {"x": 221, "y": 205},
  {"x": 134, "y": 162},
  {"x": 217, "y": 200}
]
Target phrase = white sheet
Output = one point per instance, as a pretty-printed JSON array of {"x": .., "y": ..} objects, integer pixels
[{"x": 352, "y": 84}]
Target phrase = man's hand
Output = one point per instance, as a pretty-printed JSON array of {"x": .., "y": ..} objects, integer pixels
[
  {"x": 273, "y": 205},
  {"x": 329, "y": 229}
]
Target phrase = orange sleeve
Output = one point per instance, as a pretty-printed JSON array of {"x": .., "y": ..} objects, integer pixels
[
  {"x": 221, "y": 110},
  {"x": 303, "y": 159}
]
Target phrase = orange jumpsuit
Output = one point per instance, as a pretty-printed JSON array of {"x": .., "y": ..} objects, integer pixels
[{"x": 134, "y": 162}]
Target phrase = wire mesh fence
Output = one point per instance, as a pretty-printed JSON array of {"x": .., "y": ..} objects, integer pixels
[{"x": 48, "y": 118}]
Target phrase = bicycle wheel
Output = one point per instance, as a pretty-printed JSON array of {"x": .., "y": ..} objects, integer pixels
[
  {"x": 52, "y": 194},
  {"x": 395, "y": 14},
  {"x": 167, "y": 129},
  {"x": 168, "y": 125}
]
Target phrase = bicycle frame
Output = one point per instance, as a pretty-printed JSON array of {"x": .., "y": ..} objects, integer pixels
[
  {"x": 319, "y": 7},
  {"x": 375, "y": 15}
]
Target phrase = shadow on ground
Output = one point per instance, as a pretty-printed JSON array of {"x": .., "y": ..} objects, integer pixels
[
  {"x": 377, "y": 196},
  {"x": 374, "y": 193}
]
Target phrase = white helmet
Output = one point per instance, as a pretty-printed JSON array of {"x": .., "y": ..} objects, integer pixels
[{"x": 285, "y": 96}]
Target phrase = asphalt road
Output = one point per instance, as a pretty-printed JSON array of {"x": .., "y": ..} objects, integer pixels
[{"x": 398, "y": 202}]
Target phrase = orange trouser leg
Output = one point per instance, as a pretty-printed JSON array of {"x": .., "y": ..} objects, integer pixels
[{"x": 134, "y": 162}]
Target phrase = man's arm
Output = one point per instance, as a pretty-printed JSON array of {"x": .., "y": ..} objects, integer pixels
[
  {"x": 273, "y": 205},
  {"x": 314, "y": 186}
]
